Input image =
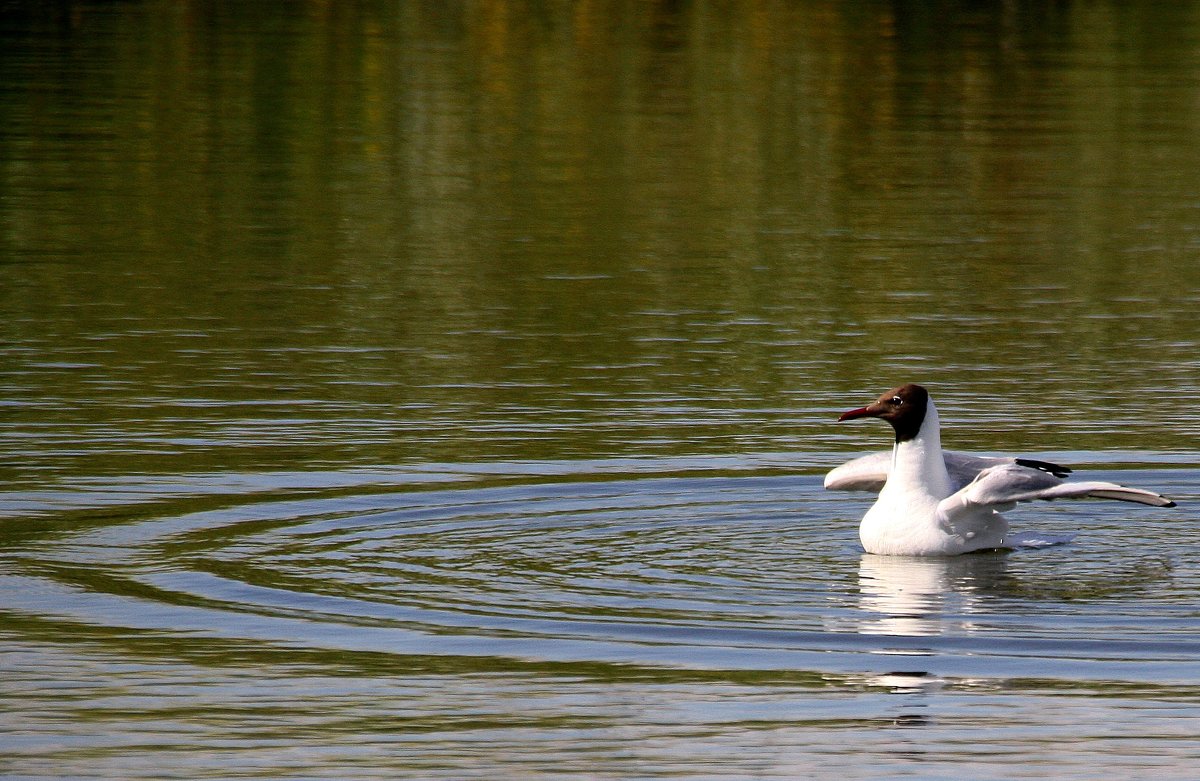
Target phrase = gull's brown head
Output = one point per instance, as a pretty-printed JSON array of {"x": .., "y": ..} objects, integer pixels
[{"x": 904, "y": 407}]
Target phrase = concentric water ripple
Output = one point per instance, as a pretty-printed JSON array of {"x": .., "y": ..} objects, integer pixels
[{"x": 729, "y": 573}]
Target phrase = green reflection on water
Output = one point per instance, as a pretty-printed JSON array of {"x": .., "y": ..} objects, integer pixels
[{"x": 323, "y": 235}]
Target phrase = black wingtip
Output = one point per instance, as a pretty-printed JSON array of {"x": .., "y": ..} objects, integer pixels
[
  {"x": 1170, "y": 504},
  {"x": 1057, "y": 470}
]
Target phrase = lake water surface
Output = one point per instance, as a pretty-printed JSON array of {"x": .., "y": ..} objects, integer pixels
[{"x": 443, "y": 390}]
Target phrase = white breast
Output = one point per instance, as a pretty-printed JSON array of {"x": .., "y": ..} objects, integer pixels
[{"x": 903, "y": 521}]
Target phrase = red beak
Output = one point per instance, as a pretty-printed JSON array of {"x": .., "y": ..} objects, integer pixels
[{"x": 861, "y": 412}]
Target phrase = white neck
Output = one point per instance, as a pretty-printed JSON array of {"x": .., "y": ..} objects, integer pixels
[{"x": 918, "y": 462}]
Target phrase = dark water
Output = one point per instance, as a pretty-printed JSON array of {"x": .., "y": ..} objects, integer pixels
[{"x": 443, "y": 390}]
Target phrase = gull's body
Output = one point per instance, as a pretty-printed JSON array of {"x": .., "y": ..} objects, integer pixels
[{"x": 937, "y": 503}]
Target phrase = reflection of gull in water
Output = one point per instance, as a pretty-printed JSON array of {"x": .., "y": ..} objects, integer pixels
[{"x": 919, "y": 596}]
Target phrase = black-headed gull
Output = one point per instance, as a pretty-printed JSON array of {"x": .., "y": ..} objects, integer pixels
[{"x": 939, "y": 503}]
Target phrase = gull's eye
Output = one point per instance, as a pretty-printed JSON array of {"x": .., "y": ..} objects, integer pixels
[{"x": 897, "y": 400}]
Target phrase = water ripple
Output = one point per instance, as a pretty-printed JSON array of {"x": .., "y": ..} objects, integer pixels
[{"x": 691, "y": 572}]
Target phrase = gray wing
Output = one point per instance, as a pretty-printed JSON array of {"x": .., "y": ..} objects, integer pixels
[
  {"x": 870, "y": 472},
  {"x": 867, "y": 473},
  {"x": 964, "y": 468},
  {"x": 1000, "y": 487}
]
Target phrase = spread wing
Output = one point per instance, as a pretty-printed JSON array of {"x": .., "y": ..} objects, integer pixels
[
  {"x": 867, "y": 473},
  {"x": 870, "y": 472},
  {"x": 1000, "y": 487}
]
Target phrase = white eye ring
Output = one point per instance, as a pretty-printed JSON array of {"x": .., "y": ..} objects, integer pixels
[{"x": 897, "y": 400}]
